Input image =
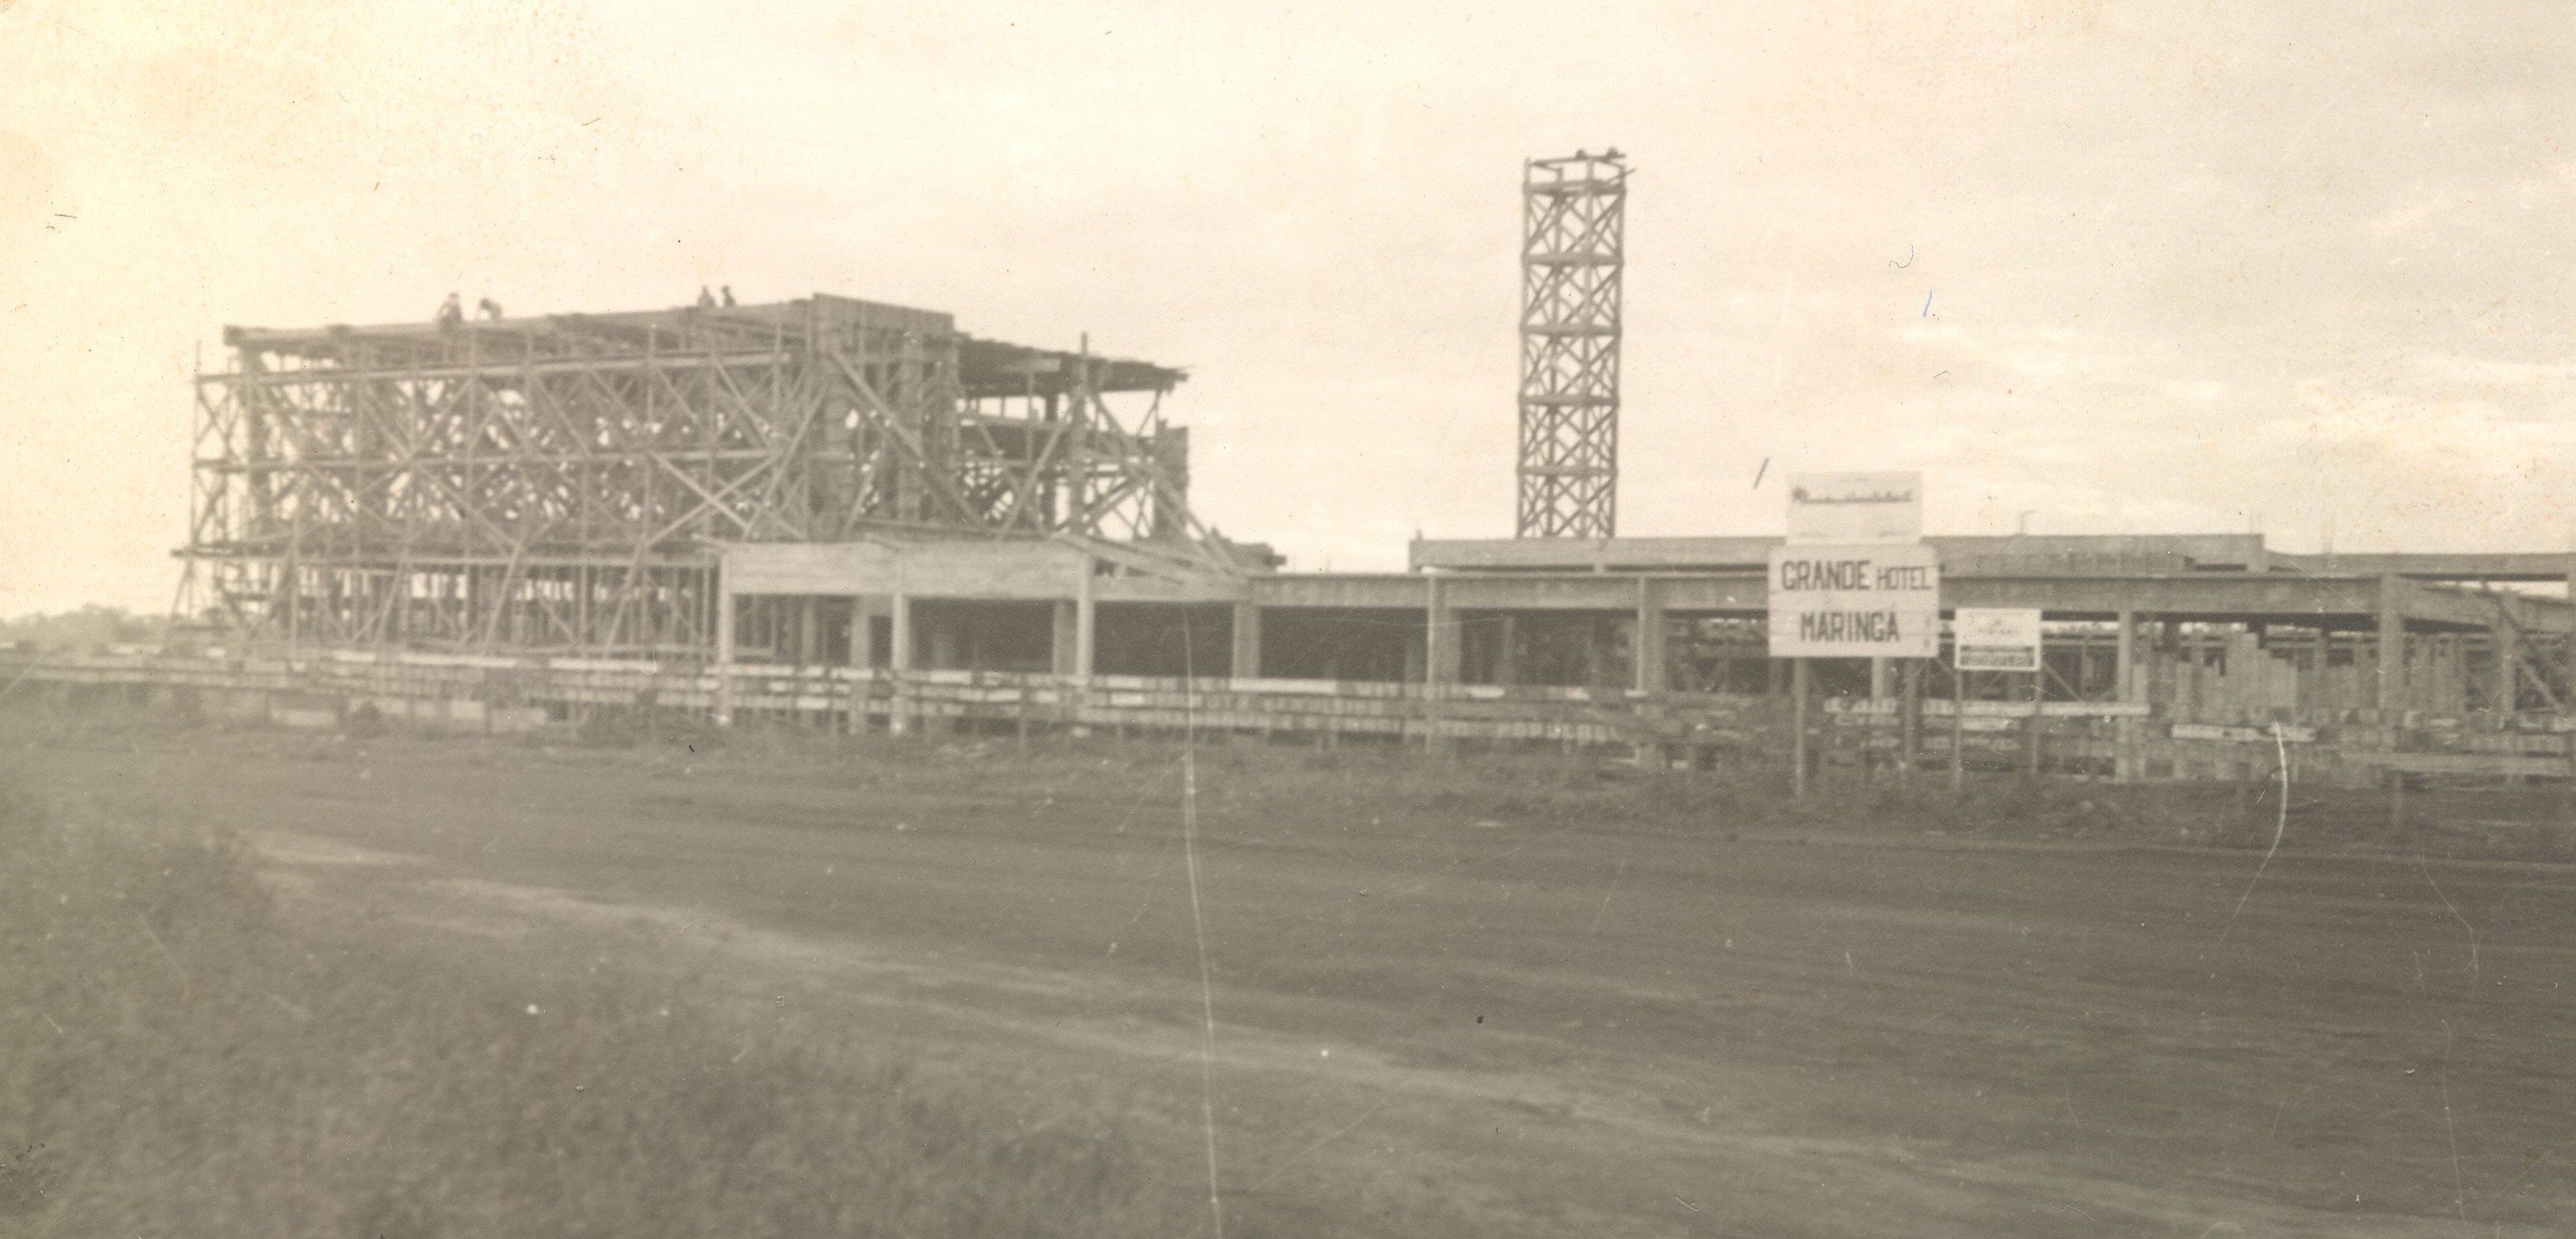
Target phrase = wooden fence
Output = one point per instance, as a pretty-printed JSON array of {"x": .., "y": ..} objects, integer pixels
[{"x": 2102, "y": 740}]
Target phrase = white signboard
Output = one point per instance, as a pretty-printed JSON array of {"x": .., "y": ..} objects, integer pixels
[
  {"x": 1855, "y": 601},
  {"x": 1850, "y": 509},
  {"x": 2004, "y": 639}
]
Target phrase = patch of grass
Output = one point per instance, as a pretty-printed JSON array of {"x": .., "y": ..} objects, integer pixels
[
  {"x": 1583, "y": 789},
  {"x": 1586, "y": 789},
  {"x": 175, "y": 1060}
]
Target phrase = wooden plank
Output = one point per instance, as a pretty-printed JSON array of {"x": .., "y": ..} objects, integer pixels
[{"x": 2461, "y": 763}]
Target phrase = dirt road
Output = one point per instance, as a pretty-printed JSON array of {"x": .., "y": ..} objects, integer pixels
[{"x": 1435, "y": 1025}]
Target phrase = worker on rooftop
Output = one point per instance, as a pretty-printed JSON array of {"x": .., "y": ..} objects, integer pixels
[
  {"x": 706, "y": 298},
  {"x": 488, "y": 308},
  {"x": 728, "y": 295},
  {"x": 451, "y": 312}
]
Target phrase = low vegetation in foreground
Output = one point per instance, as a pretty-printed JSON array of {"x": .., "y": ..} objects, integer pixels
[
  {"x": 174, "y": 1059},
  {"x": 1747, "y": 795}
]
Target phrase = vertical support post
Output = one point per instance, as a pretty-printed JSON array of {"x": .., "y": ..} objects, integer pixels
[
  {"x": 809, "y": 631},
  {"x": 2124, "y": 677},
  {"x": 1909, "y": 738},
  {"x": 1647, "y": 669},
  {"x": 1086, "y": 642},
  {"x": 1065, "y": 631},
  {"x": 1651, "y": 641},
  {"x": 2031, "y": 736},
  {"x": 1246, "y": 663},
  {"x": 2508, "y": 651},
  {"x": 899, "y": 666},
  {"x": 2124, "y": 689},
  {"x": 1439, "y": 659},
  {"x": 1507, "y": 658},
  {"x": 2392, "y": 648},
  {"x": 2568, "y": 647},
  {"x": 1878, "y": 692},
  {"x": 1798, "y": 728},
  {"x": 1086, "y": 625},
  {"x": 1958, "y": 723},
  {"x": 724, "y": 648}
]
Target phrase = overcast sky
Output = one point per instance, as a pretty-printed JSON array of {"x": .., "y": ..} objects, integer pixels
[{"x": 2159, "y": 267}]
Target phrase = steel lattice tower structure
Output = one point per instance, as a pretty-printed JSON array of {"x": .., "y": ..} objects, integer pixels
[{"x": 1574, "y": 212}]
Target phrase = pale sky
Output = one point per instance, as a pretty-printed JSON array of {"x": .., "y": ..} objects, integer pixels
[{"x": 2155, "y": 267}]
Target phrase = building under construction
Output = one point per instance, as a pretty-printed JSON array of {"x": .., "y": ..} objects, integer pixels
[
  {"x": 865, "y": 493},
  {"x": 571, "y": 483},
  {"x": 840, "y": 483}
]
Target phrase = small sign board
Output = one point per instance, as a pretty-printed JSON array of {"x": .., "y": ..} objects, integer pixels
[
  {"x": 1850, "y": 509},
  {"x": 1997, "y": 639},
  {"x": 1864, "y": 601}
]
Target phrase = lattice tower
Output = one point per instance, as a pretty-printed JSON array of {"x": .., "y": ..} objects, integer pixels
[{"x": 1574, "y": 212}]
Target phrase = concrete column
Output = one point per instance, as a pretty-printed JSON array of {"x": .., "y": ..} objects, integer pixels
[
  {"x": 1798, "y": 748},
  {"x": 1439, "y": 656},
  {"x": 809, "y": 631},
  {"x": 2031, "y": 737},
  {"x": 2392, "y": 647},
  {"x": 1086, "y": 642},
  {"x": 2570, "y": 644},
  {"x": 1086, "y": 625},
  {"x": 1067, "y": 632},
  {"x": 1507, "y": 658},
  {"x": 1246, "y": 663},
  {"x": 724, "y": 648},
  {"x": 1647, "y": 673},
  {"x": 899, "y": 662},
  {"x": 2124, "y": 681},
  {"x": 1648, "y": 651},
  {"x": 2508, "y": 677},
  {"x": 2124, "y": 675},
  {"x": 1909, "y": 719}
]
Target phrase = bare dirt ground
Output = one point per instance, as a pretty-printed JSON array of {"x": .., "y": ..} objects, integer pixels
[{"x": 1431, "y": 1023}]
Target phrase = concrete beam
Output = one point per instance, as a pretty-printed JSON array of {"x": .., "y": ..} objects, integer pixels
[
  {"x": 1531, "y": 592},
  {"x": 1591, "y": 554},
  {"x": 2277, "y": 597},
  {"x": 2144, "y": 552},
  {"x": 2468, "y": 566},
  {"x": 1165, "y": 589}
]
